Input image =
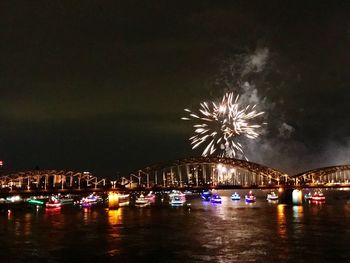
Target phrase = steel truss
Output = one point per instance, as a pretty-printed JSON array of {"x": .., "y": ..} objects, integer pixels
[
  {"x": 328, "y": 176},
  {"x": 50, "y": 179},
  {"x": 202, "y": 171}
]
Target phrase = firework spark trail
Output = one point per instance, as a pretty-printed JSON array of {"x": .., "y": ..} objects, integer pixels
[{"x": 221, "y": 125}]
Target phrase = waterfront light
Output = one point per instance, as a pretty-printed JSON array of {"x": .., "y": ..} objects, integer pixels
[
  {"x": 297, "y": 197},
  {"x": 113, "y": 200}
]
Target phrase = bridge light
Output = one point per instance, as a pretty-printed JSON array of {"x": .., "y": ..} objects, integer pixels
[{"x": 296, "y": 197}]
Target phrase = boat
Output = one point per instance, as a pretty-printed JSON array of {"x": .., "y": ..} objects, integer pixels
[
  {"x": 308, "y": 196},
  {"x": 250, "y": 198},
  {"x": 151, "y": 197},
  {"x": 215, "y": 198},
  {"x": 177, "y": 200},
  {"x": 318, "y": 197},
  {"x": 14, "y": 199},
  {"x": 141, "y": 201},
  {"x": 235, "y": 197},
  {"x": 206, "y": 194},
  {"x": 90, "y": 200},
  {"x": 66, "y": 200},
  {"x": 123, "y": 199},
  {"x": 176, "y": 193},
  {"x": 272, "y": 196},
  {"x": 37, "y": 201},
  {"x": 53, "y": 203}
]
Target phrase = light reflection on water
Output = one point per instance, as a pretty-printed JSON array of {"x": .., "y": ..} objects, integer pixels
[
  {"x": 281, "y": 219},
  {"x": 115, "y": 216},
  {"x": 232, "y": 231},
  {"x": 27, "y": 229}
]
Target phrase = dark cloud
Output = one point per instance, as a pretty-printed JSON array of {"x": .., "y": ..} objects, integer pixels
[{"x": 102, "y": 85}]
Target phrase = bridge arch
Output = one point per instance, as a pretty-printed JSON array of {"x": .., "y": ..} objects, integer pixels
[
  {"x": 325, "y": 176},
  {"x": 206, "y": 171}
]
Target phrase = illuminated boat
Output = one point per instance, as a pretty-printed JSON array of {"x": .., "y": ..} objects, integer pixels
[
  {"x": 250, "y": 198},
  {"x": 176, "y": 193},
  {"x": 66, "y": 200},
  {"x": 123, "y": 199},
  {"x": 272, "y": 196},
  {"x": 206, "y": 194},
  {"x": 177, "y": 200},
  {"x": 235, "y": 197},
  {"x": 318, "y": 197},
  {"x": 141, "y": 201},
  {"x": 53, "y": 203},
  {"x": 308, "y": 196},
  {"x": 14, "y": 199},
  {"x": 37, "y": 201},
  {"x": 90, "y": 200},
  {"x": 215, "y": 198},
  {"x": 151, "y": 197}
]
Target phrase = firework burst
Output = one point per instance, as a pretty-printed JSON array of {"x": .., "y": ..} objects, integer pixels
[{"x": 219, "y": 126}]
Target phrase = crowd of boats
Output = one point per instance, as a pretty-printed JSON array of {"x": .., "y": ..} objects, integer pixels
[
  {"x": 178, "y": 198},
  {"x": 207, "y": 195},
  {"x": 114, "y": 200},
  {"x": 57, "y": 201},
  {"x": 51, "y": 201}
]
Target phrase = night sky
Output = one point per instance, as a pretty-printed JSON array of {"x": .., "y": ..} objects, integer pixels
[{"x": 101, "y": 86}]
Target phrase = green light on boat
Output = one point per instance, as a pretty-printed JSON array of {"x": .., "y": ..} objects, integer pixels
[{"x": 36, "y": 202}]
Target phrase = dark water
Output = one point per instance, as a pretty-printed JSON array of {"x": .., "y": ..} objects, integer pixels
[{"x": 230, "y": 232}]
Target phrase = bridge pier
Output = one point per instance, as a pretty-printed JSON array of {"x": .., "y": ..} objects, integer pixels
[
  {"x": 180, "y": 175},
  {"x": 171, "y": 176}
]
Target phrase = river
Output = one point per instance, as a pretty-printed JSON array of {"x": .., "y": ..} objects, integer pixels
[{"x": 199, "y": 232}]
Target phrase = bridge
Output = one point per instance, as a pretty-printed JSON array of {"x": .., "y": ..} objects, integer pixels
[
  {"x": 189, "y": 173},
  {"x": 331, "y": 176},
  {"x": 206, "y": 172},
  {"x": 38, "y": 181}
]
